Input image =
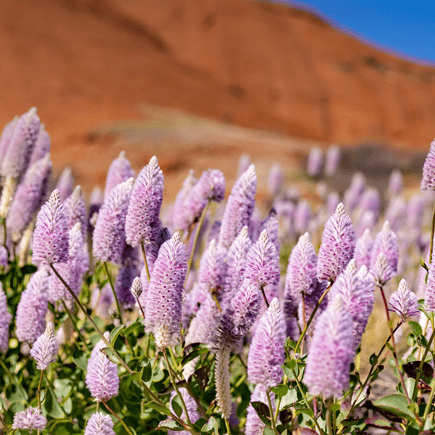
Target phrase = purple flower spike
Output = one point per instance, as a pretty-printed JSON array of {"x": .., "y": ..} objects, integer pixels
[
  {"x": 144, "y": 208},
  {"x": 42, "y": 146},
  {"x": 123, "y": 283},
  {"x": 165, "y": 292},
  {"x": 254, "y": 425},
  {"x": 44, "y": 351},
  {"x": 102, "y": 378},
  {"x": 363, "y": 249},
  {"x": 266, "y": 354},
  {"x": 50, "y": 238},
  {"x": 302, "y": 269},
  {"x": 99, "y": 424},
  {"x": 239, "y": 208},
  {"x": 396, "y": 213},
  {"x": 371, "y": 201},
  {"x": 213, "y": 269},
  {"x": 332, "y": 201},
  {"x": 331, "y": 353},
  {"x": 271, "y": 224},
  {"x": 243, "y": 164},
  {"x": 386, "y": 243},
  {"x": 17, "y": 156},
  {"x": 395, "y": 183},
  {"x": 30, "y": 419},
  {"x": 353, "y": 193},
  {"x": 176, "y": 219},
  {"x": 338, "y": 245},
  {"x": 95, "y": 201},
  {"x": 356, "y": 293},
  {"x": 382, "y": 270},
  {"x": 119, "y": 171},
  {"x": 332, "y": 161},
  {"x": 404, "y": 302},
  {"x": 4, "y": 257},
  {"x": 428, "y": 178},
  {"x": 275, "y": 180},
  {"x": 430, "y": 289},
  {"x": 65, "y": 183},
  {"x": 315, "y": 162},
  {"x": 6, "y": 136},
  {"x": 32, "y": 308},
  {"x": 109, "y": 233},
  {"x": 28, "y": 197},
  {"x": 76, "y": 209},
  {"x": 262, "y": 262},
  {"x": 6, "y": 320},
  {"x": 302, "y": 216}
]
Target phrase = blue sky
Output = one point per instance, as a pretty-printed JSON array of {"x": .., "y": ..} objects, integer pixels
[{"x": 403, "y": 27}]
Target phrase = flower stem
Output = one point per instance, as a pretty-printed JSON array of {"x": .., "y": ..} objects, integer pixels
[
  {"x": 227, "y": 425},
  {"x": 144, "y": 254},
  {"x": 272, "y": 416},
  {"x": 114, "y": 292},
  {"x": 328, "y": 416},
  {"x": 39, "y": 389},
  {"x": 118, "y": 418},
  {"x": 195, "y": 241},
  {"x": 432, "y": 236},
  {"x": 312, "y": 317}
]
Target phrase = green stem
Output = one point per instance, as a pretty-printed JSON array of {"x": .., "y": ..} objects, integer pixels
[
  {"x": 432, "y": 236},
  {"x": 174, "y": 383},
  {"x": 272, "y": 416},
  {"x": 118, "y": 418},
  {"x": 74, "y": 324},
  {"x": 306, "y": 400},
  {"x": 5, "y": 368},
  {"x": 195, "y": 241},
  {"x": 328, "y": 416},
  {"x": 227, "y": 425},
  {"x": 304, "y": 331},
  {"x": 144, "y": 254},
  {"x": 39, "y": 389},
  {"x": 114, "y": 292}
]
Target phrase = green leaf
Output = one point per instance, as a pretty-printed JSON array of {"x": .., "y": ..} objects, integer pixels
[
  {"x": 80, "y": 359},
  {"x": 170, "y": 424},
  {"x": 280, "y": 390},
  {"x": 114, "y": 334},
  {"x": 396, "y": 404},
  {"x": 373, "y": 359},
  {"x": 192, "y": 355},
  {"x": 158, "y": 407},
  {"x": 290, "y": 398},
  {"x": 147, "y": 373},
  {"x": 51, "y": 405},
  {"x": 176, "y": 406},
  {"x": 415, "y": 328},
  {"x": 268, "y": 431},
  {"x": 210, "y": 426},
  {"x": 28, "y": 269},
  {"x": 262, "y": 411},
  {"x": 110, "y": 354}
]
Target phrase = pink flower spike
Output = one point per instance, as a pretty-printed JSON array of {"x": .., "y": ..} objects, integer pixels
[
  {"x": 99, "y": 424},
  {"x": 428, "y": 178},
  {"x": 30, "y": 419},
  {"x": 404, "y": 302},
  {"x": 44, "y": 351}
]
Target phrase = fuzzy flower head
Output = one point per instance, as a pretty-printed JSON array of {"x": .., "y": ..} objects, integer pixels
[
  {"x": 430, "y": 289},
  {"x": 6, "y": 320},
  {"x": 119, "y": 171},
  {"x": 5, "y": 137},
  {"x": 331, "y": 352},
  {"x": 42, "y": 146},
  {"x": 32, "y": 308},
  {"x": 99, "y": 424},
  {"x": 102, "y": 378},
  {"x": 315, "y": 162},
  {"x": 428, "y": 178},
  {"x": 353, "y": 193},
  {"x": 404, "y": 302},
  {"x": 212, "y": 269},
  {"x": 76, "y": 208},
  {"x": 109, "y": 234},
  {"x": 30, "y": 419},
  {"x": 165, "y": 292},
  {"x": 338, "y": 245},
  {"x": 382, "y": 270},
  {"x": 28, "y": 197},
  {"x": 363, "y": 249},
  {"x": 65, "y": 183},
  {"x": 386, "y": 243},
  {"x": 395, "y": 182},
  {"x": 50, "y": 238},
  {"x": 144, "y": 208},
  {"x": 127, "y": 273},
  {"x": 275, "y": 179},
  {"x": 239, "y": 208},
  {"x": 302, "y": 268},
  {"x": 44, "y": 351},
  {"x": 332, "y": 160},
  {"x": 302, "y": 216},
  {"x": 266, "y": 354}
]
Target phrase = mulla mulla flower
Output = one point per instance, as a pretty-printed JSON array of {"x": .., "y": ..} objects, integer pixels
[
  {"x": 254, "y": 425},
  {"x": 30, "y": 419},
  {"x": 6, "y": 320},
  {"x": 385, "y": 243},
  {"x": 404, "y": 302},
  {"x": 275, "y": 179},
  {"x": 109, "y": 233},
  {"x": 120, "y": 170},
  {"x": 331, "y": 352},
  {"x": 429, "y": 298},
  {"x": 165, "y": 292},
  {"x": 42, "y": 146},
  {"x": 65, "y": 183},
  {"x": 239, "y": 208},
  {"x": 6, "y": 136},
  {"x": 44, "y": 351},
  {"x": 301, "y": 271},
  {"x": 266, "y": 354},
  {"x": 102, "y": 378},
  {"x": 76, "y": 208},
  {"x": 142, "y": 219},
  {"x": 428, "y": 178},
  {"x": 271, "y": 224},
  {"x": 28, "y": 197},
  {"x": 32, "y": 308},
  {"x": 99, "y": 424},
  {"x": 50, "y": 238},
  {"x": 127, "y": 273},
  {"x": 363, "y": 249},
  {"x": 338, "y": 245}
]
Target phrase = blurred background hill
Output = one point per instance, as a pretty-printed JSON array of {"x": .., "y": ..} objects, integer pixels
[{"x": 198, "y": 82}]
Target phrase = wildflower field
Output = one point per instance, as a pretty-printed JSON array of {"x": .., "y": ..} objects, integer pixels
[{"x": 212, "y": 316}]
